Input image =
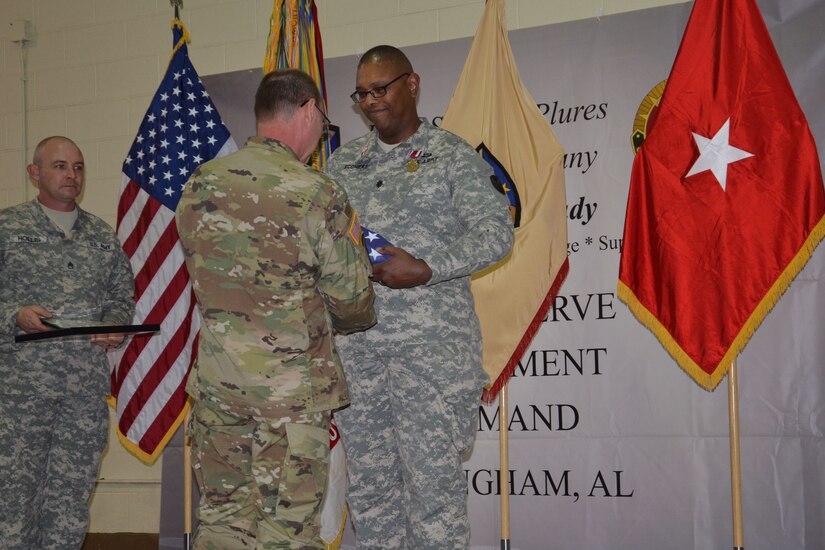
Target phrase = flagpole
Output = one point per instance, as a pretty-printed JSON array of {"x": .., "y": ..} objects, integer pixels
[
  {"x": 735, "y": 470},
  {"x": 187, "y": 484},
  {"x": 187, "y": 446},
  {"x": 504, "y": 469}
]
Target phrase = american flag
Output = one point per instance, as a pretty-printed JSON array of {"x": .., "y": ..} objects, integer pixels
[
  {"x": 180, "y": 131},
  {"x": 373, "y": 241}
]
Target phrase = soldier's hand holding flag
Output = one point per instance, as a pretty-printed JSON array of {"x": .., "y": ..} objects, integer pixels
[{"x": 392, "y": 266}]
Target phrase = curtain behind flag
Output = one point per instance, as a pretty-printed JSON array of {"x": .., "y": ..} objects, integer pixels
[
  {"x": 295, "y": 43},
  {"x": 726, "y": 201},
  {"x": 180, "y": 130},
  {"x": 492, "y": 109}
]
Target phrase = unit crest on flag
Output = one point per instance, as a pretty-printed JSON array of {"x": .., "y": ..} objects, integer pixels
[
  {"x": 503, "y": 183},
  {"x": 491, "y": 108},
  {"x": 646, "y": 115}
]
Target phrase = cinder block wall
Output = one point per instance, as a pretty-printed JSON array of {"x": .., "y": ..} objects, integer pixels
[{"x": 93, "y": 65}]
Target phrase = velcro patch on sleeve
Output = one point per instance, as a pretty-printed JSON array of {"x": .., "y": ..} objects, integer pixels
[{"x": 355, "y": 227}]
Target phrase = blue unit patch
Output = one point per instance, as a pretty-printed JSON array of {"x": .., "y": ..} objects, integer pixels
[{"x": 503, "y": 183}]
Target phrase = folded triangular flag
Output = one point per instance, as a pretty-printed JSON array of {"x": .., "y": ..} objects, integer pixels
[{"x": 373, "y": 241}]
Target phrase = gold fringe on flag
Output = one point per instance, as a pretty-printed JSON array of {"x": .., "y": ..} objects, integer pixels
[{"x": 709, "y": 381}]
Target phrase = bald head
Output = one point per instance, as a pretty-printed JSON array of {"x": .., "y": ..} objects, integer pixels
[
  {"x": 58, "y": 170},
  {"x": 390, "y": 55},
  {"x": 48, "y": 143}
]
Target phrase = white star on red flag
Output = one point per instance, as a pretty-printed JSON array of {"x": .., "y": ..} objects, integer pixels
[{"x": 715, "y": 154}]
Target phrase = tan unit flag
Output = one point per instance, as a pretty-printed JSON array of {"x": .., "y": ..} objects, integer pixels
[{"x": 492, "y": 109}]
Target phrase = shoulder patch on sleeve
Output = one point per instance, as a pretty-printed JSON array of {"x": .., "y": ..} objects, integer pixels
[{"x": 354, "y": 225}]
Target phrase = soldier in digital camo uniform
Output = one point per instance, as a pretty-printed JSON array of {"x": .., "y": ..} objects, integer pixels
[
  {"x": 273, "y": 249},
  {"x": 57, "y": 262},
  {"x": 415, "y": 379}
]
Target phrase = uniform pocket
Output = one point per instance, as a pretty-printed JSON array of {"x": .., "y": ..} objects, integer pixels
[
  {"x": 304, "y": 477},
  {"x": 307, "y": 441},
  {"x": 221, "y": 447}
]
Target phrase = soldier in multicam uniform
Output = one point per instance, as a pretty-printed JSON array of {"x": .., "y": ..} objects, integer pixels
[
  {"x": 273, "y": 249},
  {"x": 415, "y": 379},
  {"x": 57, "y": 262}
]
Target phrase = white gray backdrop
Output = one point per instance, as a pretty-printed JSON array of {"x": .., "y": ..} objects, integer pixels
[{"x": 613, "y": 447}]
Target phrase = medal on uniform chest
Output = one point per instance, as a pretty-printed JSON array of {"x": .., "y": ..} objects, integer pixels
[{"x": 412, "y": 163}]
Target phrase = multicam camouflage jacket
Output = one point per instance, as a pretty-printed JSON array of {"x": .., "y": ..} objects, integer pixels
[
  {"x": 85, "y": 276},
  {"x": 273, "y": 249}
]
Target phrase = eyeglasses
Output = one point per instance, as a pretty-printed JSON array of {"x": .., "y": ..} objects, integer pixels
[
  {"x": 379, "y": 91},
  {"x": 328, "y": 132},
  {"x": 327, "y": 121}
]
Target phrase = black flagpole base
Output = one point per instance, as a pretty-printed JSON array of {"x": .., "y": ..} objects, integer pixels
[
  {"x": 187, "y": 541},
  {"x": 505, "y": 544}
]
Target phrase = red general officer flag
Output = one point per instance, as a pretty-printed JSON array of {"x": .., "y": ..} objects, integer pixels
[{"x": 726, "y": 201}]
